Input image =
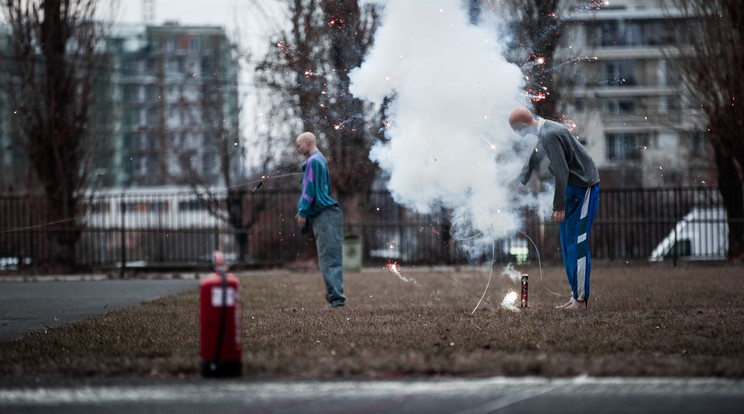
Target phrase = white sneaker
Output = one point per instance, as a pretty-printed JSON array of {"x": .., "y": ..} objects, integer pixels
[{"x": 567, "y": 304}]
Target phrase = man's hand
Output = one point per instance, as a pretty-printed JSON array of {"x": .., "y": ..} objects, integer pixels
[
  {"x": 300, "y": 220},
  {"x": 558, "y": 216}
]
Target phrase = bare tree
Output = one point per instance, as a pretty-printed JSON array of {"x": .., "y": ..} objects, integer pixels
[
  {"x": 213, "y": 111},
  {"x": 308, "y": 71},
  {"x": 712, "y": 77},
  {"x": 54, "y": 45},
  {"x": 536, "y": 27}
]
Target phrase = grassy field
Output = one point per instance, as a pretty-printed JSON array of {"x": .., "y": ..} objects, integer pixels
[{"x": 642, "y": 321}]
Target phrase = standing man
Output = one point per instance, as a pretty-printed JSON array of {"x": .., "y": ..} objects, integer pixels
[
  {"x": 321, "y": 214},
  {"x": 576, "y": 196}
]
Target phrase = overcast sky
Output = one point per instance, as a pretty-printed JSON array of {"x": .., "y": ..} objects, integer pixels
[{"x": 186, "y": 12}]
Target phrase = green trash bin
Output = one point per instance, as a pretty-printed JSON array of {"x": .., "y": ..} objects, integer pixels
[{"x": 352, "y": 251}]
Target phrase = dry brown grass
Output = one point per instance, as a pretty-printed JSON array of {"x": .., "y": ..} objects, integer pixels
[{"x": 642, "y": 321}]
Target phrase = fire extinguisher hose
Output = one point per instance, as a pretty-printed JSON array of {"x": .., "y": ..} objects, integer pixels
[{"x": 223, "y": 319}]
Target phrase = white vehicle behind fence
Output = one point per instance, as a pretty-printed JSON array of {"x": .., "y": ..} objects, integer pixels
[
  {"x": 150, "y": 208},
  {"x": 702, "y": 234}
]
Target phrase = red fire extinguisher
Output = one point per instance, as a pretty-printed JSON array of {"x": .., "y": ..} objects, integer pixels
[{"x": 220, "y": 316}]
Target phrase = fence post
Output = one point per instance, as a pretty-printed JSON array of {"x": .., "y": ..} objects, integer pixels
[
  {"x": 123, "y": 267},
  {"x": 677, "y": 216}
]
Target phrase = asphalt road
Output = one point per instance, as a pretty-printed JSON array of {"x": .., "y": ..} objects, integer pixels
[
  {"x": 33, "y": 306},
  {"x": 455, "y": 396}
]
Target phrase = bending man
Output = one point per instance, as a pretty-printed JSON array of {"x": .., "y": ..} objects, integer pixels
[{"x": 576, "y": 197}]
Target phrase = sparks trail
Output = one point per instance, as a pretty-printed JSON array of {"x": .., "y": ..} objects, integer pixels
[
  {"x": 37, "y": 226},
  {"x": 570, "y": 61},
  {"x": 342, "y": 124},
  {"x": 394, "y": 267},
  {"x": 265, "y": 178},
  {"x": 539, "y": 263},
  {"x": 507, "y": 270},
  {"x": 493, "y": 253},
  {"x": 537, "y": 61}
]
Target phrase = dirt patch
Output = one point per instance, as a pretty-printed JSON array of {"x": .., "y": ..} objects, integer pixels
[{"x": 642, "y": 321}]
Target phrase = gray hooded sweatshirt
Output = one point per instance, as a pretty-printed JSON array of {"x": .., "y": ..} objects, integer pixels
[{"x": 570, "y": 162}]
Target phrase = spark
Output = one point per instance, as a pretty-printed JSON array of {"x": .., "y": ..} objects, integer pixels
[
  {"x": 535, "y": 96},
  {"x": 337, "y": 22},
  {"x": 284, "y": 47},
  {"x": 597, "y": 4},
  {"x": 569, "y": 123},
  {"x": 509, "y": 300},
  {"x": 394, "y": 267}
]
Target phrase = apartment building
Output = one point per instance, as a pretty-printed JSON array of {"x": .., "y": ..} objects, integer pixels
[
  {"x": 627, "y": 101},
  {"x": 166, "y": 110},
  {"x": 177, "y": 104}
]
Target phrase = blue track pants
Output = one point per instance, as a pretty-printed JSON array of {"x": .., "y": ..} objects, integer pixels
[{"x": 581, "y": 207}]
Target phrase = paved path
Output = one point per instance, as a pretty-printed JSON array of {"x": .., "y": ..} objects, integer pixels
[
  {"x": 35, "y": 306},
  {"x": 455, "y": 396}
]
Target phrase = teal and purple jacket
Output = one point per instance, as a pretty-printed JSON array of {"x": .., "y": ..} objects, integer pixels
[{"x": 316, "y": 186}]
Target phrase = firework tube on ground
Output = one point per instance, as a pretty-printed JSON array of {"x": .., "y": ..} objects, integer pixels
[{"x": 524, "y": 291}]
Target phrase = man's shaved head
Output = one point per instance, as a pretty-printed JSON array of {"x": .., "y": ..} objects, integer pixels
[
  {"x": 306, "y": 143},
  {"x": 522, "y": 121}
]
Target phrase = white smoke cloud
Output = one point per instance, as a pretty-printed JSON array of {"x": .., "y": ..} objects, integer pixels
[{"x": 450, "y": 142}]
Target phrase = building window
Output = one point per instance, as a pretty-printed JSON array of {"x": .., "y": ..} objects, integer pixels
[
  {"x": 151, "y": 93},
  {"x": 626, "y": 146},
  {"x": 579, "y": 105},
  {"x": 171, "y": 67},
  {"x": 661, "y": 33},
  {"x": 663, "y": 104},
  {"x": 607, "y": 34},
  {"x": 153, "y": 118},
  {"x": 131, "y": 93},
  {"x": 672, "y": 75},
  {"x": 699, "y": 143},
  {"x": 624, "y": 33},
  {"x": 620, "y": 73},
  {"x": 130, "y": 141},
  {"x": 614, "y": 106},
  {"x": 133, "y": 116},
  {"x": 632, "y": 34},
  {"x": 209, "y": 164},
  {"x": 151, "y": 167}
]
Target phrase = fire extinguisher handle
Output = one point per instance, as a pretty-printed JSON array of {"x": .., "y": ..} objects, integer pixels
[{"x": 219, "y": 261}]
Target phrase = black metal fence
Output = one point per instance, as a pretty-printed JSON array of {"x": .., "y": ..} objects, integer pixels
[{"x": 176, "y": 229}]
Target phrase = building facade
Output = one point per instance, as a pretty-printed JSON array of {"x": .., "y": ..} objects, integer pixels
[
  {"x": 177, "y": 105},
  {"x": 166, "y": 111},
  {"x": 628, "y": 101}
]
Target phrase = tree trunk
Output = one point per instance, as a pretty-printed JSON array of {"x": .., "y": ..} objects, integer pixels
[{"x": 730, "y": 184}]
